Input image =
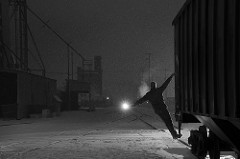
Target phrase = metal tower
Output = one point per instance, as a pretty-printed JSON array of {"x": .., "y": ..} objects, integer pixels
[{"x": 13, "y": 35}]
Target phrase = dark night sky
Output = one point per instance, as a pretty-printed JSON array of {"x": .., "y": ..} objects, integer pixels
[{"x": 121, "y": 31}]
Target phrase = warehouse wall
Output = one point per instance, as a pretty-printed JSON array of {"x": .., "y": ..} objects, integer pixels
[{"x": 34, "y": 94}]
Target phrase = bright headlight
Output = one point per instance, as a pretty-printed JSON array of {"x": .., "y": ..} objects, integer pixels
[{"x": 125, "y": 106}]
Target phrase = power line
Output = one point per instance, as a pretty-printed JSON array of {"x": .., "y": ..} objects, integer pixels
[
  {"x": 38, "y": 52},
  {"x": 34, "y": 57},
  {"x": 58, "y": 35}
]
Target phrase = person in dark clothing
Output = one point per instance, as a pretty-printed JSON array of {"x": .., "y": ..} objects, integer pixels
[{"x": 154, "y": 96}]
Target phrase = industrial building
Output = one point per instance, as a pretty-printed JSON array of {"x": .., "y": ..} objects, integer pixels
[
  {"x": 86, "y": 91},
  {"x": 25, "y": 93},
  {"x": 92, "y": 73},
  {"x": 21, "y": 92}
]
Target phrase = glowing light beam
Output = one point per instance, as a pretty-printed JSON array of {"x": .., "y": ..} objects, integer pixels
[{"x": 125, "y": 106}]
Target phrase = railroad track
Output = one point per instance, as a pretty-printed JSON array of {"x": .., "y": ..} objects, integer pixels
[{"x": 138, "y": 115}]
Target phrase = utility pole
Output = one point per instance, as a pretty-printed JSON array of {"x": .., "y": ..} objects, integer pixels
[
  {"x": 149, "y": 68},
  {"x": 72, "y": 63},
  {"x": 68, "y": 82}
]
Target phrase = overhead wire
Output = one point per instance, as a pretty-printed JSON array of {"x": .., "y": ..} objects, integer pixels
[
  {"x": 36, "y": 47},
  {"x": 34, "y": 57},
  {"x": 57, "y": 34}
]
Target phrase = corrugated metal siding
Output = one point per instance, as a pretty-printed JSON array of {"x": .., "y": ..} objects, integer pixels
[
  {"x": 23, "y": 94},
  {"x": 34, "y": 93},
  {"x": 207, "y": 58},
  {"x": 238, "y": 57}
]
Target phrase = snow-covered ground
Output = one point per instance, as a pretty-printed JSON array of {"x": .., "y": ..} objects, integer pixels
[{"x": 105, "y": 133}]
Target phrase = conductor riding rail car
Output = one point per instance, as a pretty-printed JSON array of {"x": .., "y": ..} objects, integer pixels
[{"x": 207, "y": 56}]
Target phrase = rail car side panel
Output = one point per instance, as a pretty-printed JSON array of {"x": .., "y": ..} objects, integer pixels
[
  {"x": 207, "y": 58},
  {"x": 207, "y": 46}
]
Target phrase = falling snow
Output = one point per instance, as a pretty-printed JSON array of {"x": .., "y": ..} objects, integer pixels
[{"x": 105, "y": 133}]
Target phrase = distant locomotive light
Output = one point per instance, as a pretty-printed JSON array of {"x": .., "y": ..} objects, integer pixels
[{"x": 125, "y": 106}]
